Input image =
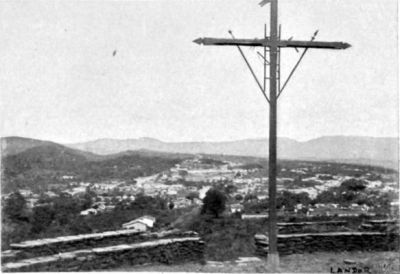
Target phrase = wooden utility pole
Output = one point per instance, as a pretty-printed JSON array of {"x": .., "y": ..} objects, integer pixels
[
  {"x": 273, "y": 257},
  {"x": 274, "y": 43}
]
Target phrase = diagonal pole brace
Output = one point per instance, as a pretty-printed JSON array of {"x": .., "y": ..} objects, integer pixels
[
  {"x": 262, "y": 57},
  {"x": 250, "y": 68},
  {"x": 297, "y": 64}
]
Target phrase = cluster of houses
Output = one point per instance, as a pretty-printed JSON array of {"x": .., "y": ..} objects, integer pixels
[
  {"x": 250, "y": 185},
  {"x": 96, "y": 208},
  {"x": 170, "y": 185},
  {"x": 199, "y": 162}
]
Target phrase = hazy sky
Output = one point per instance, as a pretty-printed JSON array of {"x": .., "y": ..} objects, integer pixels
[{"x": 60, "y": 81}]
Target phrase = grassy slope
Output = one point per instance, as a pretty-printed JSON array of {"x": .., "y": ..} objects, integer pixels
[{"x": 320, "y": 262}]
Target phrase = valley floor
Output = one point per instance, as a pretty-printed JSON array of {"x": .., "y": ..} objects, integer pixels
[{"x": 321, "y": 262}]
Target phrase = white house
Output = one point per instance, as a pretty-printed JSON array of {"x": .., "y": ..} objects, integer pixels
[
  {"x": 148, "y": 220},
  {"x": 262, "y": 197},
  {"x": 141, "y": 223},
  {"x": 236, "y": 208},
  {"x": 172, "y": 192},
  {"x": 90, "y": 211},
  {"x": 137, "y": 225}
]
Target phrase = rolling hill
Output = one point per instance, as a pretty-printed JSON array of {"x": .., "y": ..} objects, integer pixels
[
  {"x": 14, "y": 145},
  {"x": 27, "y": 165},
  {"x": 349, "y": 149}
]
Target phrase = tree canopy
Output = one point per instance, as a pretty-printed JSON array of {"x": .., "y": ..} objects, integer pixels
[
  {"x": 213, "y": 203},
  {"x": 15, "y": 206}
]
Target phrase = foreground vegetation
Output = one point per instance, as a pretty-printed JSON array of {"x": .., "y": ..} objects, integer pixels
[
  {"x": 321, "y": 262},
  {"x": 59, "y": 216}
]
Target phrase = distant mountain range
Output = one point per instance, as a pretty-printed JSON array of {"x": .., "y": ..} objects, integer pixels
[
  {"x": 15, "y": 145},
  {"x": 351, "y": 149},
  {"x": 348, "y": 149}
]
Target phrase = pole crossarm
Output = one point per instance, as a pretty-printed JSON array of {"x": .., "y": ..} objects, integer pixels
[
  {"x": 312, "y": 44},
  {"x": 207, "y": 41}
]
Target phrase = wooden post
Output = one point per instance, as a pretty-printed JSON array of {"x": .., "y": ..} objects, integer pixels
[
  {"x": 273, "y": 257},
  {"x": 274, "y": 43}
]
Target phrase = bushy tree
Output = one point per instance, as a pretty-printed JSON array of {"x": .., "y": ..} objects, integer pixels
[
  {"x": 327, "y": 196},
  {"x": 353, "y": 185},
  {"x": 42, "y": 216},
  {"x": 87, "y": 199},
  {"x": 147, "y": 203},
  {"x": 256, "y": 206},
  {"x": 350, "y": 191},
  {"x": 250, "y": 197},
  {"x": 15, "y": 207},
  {"x": 229, "y": 189},
  {"x": 183, "y": 173},
  {"x": 285, "y": 199},
  {"x": 65, "y": 208},
  {"x": 213, "y": 203},
  {"x": 239, "y": 197},
  {"x": 289, "y": 200}
]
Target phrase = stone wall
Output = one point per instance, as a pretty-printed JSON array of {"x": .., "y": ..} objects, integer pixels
[
  {"x": 103, "y": 251},
  {"x": 391, "y": 226},
  {"x": 329, "y": 241},
  {"x": 158, "y": 251},
  {"x": 301, "y": 227},
  {"x": 42, "y": 247}
]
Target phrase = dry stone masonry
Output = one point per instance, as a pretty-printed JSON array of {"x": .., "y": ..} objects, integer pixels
[
  {"x": 103, "y": 251},
  {"x": 381, "y": 225},
  {"x": 386, "y": 240},
  {"x": 49, "y": 246},
  {"x": 323, "y": 226}
]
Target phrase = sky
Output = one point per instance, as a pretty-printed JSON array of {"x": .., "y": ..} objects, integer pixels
[{"x": 74, "y": 71}]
